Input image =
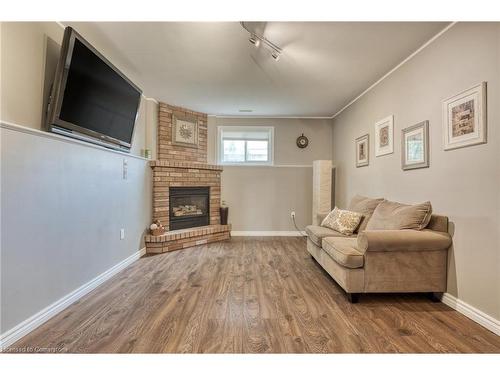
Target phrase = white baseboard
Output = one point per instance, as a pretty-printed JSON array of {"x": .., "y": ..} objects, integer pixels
[
  {"x": 27, "y": 326},
  {"x": 471, "y": 312},
  {"x": 267, "y": 233}
]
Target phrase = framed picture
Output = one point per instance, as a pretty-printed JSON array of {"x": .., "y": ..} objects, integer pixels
[
  {"x": 415, "y": 146},
  {"x": 362, "y": 151},
  {"x": 184, "y": 130},
  {"x": 384, "y": 136},
  {"x": 464, "y": 118}
]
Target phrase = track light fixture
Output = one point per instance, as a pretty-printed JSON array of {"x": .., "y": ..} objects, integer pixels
[{"x": 256, "y": 39}]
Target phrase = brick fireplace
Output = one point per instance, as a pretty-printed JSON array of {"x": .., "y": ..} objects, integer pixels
[{"x": 179, "y": 171}]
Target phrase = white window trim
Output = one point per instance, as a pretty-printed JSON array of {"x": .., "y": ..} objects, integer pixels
[{"x": 270, "y": 146}]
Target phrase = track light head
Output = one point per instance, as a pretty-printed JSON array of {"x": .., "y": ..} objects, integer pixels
[{"x": 254, "y": 40}]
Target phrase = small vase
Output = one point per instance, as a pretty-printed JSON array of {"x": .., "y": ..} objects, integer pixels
[{"x": 224, "y": 212}]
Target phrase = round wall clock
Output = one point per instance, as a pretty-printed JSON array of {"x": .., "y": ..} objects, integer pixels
[{"x": 302, "y": 141}]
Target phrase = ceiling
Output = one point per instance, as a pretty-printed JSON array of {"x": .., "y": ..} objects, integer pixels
[{"x": 212, "y": 67}]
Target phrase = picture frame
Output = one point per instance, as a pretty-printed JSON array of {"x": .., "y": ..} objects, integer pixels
[
  {"x": 415, "y": 146},
  {"x": 384, "y": 136},
  {"x": 362, "y": 151},
  {"x": 184, "y": 130},
  {"x": 464, "y": 118}
]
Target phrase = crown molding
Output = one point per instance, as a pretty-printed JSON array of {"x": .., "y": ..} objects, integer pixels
[
  {"x": 420, "y": 49},
  {"x": 150, "y": 99}
]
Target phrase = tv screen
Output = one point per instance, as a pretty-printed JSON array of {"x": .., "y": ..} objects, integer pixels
[{"x": 92, "y": 98}]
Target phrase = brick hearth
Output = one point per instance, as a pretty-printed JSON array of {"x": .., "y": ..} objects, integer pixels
[
  {"x": 187, "y": 167},
  {"x": 183, "y": 238}
]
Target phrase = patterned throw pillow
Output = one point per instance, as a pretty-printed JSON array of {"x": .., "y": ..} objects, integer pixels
[{"x": 342, "y": 221}]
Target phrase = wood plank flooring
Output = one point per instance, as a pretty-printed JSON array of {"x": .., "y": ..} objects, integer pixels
[{"x": 250, "y": 295}]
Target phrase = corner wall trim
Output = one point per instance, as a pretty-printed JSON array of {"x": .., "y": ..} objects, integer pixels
[
  {"x": 267, "y": 166},
  {"x": 45, "y": 134},
  {"x": 150, "y": 99},
  {"x": 272, "y": 117},
  {"x": 267, "y": 233},
  {"x": 33, "y": 322},
  {"x": 471, "y": 312}
]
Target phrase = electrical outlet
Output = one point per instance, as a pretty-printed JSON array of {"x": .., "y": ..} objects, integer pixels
[
  {"x": 125, "y": 169},
  {"x": 292, "y": 214},
  {"x": 122, "y": 234}
]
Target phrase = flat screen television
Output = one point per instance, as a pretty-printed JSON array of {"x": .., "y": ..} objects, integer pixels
[{"x": 91, "y": 99}]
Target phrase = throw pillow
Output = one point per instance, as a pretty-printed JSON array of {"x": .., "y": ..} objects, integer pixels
[
  {"x": 342, "y": 221},
  {"x": 394, "y": 216},
  {"x": 364, "y": 206}
]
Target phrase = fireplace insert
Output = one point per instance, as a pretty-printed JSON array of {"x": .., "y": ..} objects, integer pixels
[{"x": 189, "y": 207}]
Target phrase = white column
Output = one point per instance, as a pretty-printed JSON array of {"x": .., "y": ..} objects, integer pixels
[
  {"x": 322, "y": 188},
  {"x": 152, "y": 126}
]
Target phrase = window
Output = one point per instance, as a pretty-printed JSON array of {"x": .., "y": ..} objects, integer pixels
[{"x": 250, "y": 145}]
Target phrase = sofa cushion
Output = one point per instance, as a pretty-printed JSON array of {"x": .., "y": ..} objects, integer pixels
[
  {"x": 394, "y": 216},
  {"x": 316, "y": 233},
  {"x": 364, "y": 206},
  {"x": 403, "y": 240},
  {"x": 342, "y": 221},
  {"x": 344, "y": 251}
]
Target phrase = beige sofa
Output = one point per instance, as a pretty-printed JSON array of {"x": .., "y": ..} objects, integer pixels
[{"x": 381, "y": 261}]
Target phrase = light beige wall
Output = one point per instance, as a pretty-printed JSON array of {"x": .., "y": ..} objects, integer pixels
[
  {"x": 463, "y": 183},
  {"x": 286, "y": 131},
  {"x": 24, "y": 47},
  {"x": 30, "y": 51},
  {"x": 261, "y": 198}
]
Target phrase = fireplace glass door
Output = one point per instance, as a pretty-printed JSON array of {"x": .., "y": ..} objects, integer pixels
[{"x": 189, "y": 207}]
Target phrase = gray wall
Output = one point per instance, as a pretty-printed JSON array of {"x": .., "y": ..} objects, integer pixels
[
  {"x": 463, "y": 183},
  {"x": 261, "y": 198},
  {"x": 62, "y": 207},
  {"x": 62, "y": 203}
]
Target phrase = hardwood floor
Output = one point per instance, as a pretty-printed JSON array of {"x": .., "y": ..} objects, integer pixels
[{"x": 250, "y": 295}]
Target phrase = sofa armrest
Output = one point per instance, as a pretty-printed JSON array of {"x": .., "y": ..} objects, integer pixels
[
  {"x": 403, "y": 240},
  {"x": 321, "y": 216}
]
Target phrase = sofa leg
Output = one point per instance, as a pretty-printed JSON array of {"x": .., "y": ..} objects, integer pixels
[
  {"x": 353, "y": 297},
  {"x": 433, "y": 297}
]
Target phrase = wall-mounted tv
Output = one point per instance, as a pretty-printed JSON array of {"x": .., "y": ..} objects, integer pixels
[{"x": 91, "y": 99}]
